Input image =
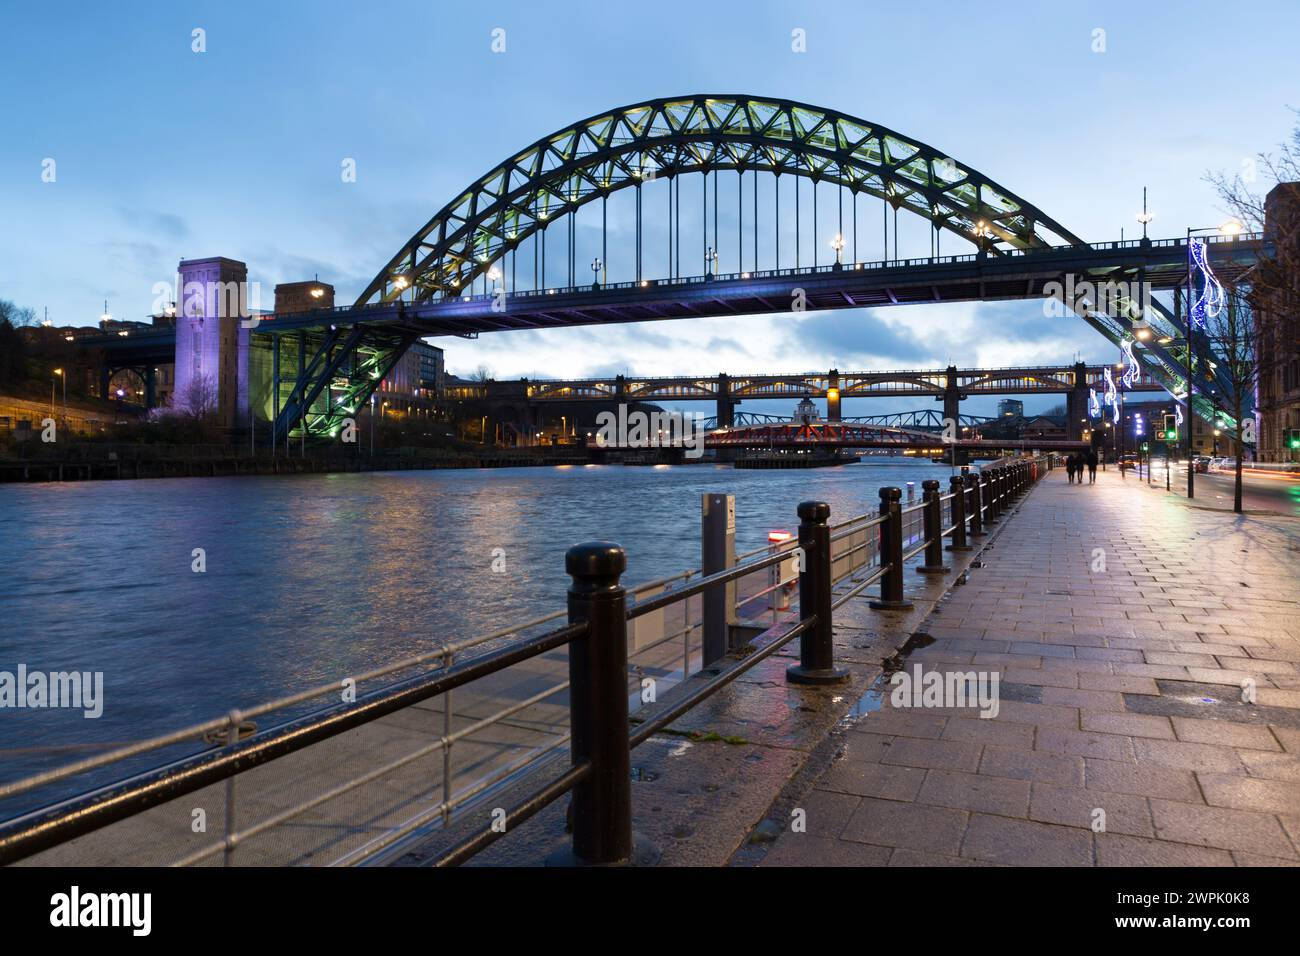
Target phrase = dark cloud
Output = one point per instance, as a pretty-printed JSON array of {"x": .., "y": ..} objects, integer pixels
[
  {"x": 856, "y": 337},
  {"x": 162, "y": 225}
]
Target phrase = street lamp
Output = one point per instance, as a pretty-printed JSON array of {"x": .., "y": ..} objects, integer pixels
[
  {"x": 595, "y": 272},
  {"x": 1230, "y": 228},
  {"x": 710, "y": 262},
  {"x": 1144, "y": 217},
  {"x": 838, "y": 245},
  {"x": 59, "y": 373}
]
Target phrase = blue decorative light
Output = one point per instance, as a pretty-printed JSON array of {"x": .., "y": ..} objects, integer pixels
[
  {"x": 1210, "y": 301},
  {"x": 1132, "y": 371},
  {"x": 1178, "y": 415},
  {"x": 1094, "y": 406},
  {"x": 1112, "y": 396}
]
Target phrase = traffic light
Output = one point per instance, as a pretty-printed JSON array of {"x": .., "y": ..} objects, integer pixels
[
  {"x": 1170, "y": 431},
  {"x": 1293, "y": 438}
]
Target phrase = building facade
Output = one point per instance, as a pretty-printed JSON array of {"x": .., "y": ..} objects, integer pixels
[{"x": 1277, "y": 327}]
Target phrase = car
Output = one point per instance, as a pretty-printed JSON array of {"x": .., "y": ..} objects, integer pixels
[
  {"x": 1200, "y": 463},
  {"x": 1128, "y": 461}
]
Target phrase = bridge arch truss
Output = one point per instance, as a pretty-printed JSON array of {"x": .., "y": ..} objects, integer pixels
[{"x": 702, "y": 133}]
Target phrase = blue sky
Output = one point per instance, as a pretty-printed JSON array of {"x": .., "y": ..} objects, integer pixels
[{"x": 163, "y": 153}]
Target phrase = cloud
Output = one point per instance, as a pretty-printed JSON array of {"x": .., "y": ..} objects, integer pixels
[{"x": 163, "y": 225}]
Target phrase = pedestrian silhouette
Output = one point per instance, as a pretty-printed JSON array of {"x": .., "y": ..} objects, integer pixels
[
  {"x": 1092, "y": 466},
  {"x": 1071, "y": 466}
]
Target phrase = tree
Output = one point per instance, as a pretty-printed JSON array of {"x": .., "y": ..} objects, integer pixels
[
  {"x": 15, "y": 315},
  {"x": 1230, "y": 357},
  {"x": 13, "y": 346},
  {"x": 1279, "y": 272},
  {"x": 1273, "y": 299},
  {"x": 197, "y": 400}
]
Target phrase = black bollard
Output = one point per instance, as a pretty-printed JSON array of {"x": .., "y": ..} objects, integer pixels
[
  {"x": 933, "y": 515},
  {"x": 958, "y": 487},
  {"x": 817, "y": 644},
  {"x": 602, "y": 803},
  {"x": 976, "y": 517},
  {"x": 891, "y": 553}
]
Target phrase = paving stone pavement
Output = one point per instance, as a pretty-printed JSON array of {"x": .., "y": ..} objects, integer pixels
[{"x": 1122, "y": 626}]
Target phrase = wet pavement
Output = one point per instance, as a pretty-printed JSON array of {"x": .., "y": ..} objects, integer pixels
[
  {"x": 1147, "y": 656},
  {"x": 704, "y": 790}
]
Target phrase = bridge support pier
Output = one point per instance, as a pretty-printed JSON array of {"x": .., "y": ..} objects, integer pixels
[
  {"x": 833, "y": 413},
  {"x": 1076, "y": 403},
  {"x": 951, "y": 398},
  {"x": 726, "y": 410}
]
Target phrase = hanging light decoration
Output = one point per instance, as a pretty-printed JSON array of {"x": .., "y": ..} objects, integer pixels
[
  {"x": 1094, "y": 404},
  {"x": 1112, "y": 396},
  {"x": 1132, "y": 371},
  {"x": 1210, "y": 301}
]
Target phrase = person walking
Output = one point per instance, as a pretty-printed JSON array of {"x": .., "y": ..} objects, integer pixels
[
  {"x": 1092, "y": 466},
  {"x": 1071, "y": 466}
]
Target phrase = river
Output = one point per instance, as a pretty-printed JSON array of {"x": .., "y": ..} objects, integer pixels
[{"x": 311, "y": 576}]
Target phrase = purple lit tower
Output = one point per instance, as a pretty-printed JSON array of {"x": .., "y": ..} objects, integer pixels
[{"x": 211, "y": 344}]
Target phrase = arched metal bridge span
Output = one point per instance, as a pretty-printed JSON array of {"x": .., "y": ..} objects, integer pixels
[
  {"x": 708, "y": 134},
  {"x": 462, "y": 274}
]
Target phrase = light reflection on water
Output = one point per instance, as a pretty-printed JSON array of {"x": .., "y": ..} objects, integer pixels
[{"x": 310, "y": 578}]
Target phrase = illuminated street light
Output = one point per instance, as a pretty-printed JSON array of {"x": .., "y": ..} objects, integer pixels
[{"x": 838, "y": 245}]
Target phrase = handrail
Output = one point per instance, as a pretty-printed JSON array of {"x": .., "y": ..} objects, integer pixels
[
  {"x": 71, "y": 818},
  {"x": 703, "y": 584},
  {"x": 598, "y": 616}
]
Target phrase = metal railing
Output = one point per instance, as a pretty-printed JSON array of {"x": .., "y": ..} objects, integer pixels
[{"x": 602, "y": 617}]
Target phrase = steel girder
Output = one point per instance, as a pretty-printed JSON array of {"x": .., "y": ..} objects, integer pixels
[
  {"x": 1165, "y": 364},
  {"x": 699, "y": 133},
  {"x": 926, "y": 419},
  {"x": 667, "y": 137},
  {"x": 835, "y": 434},
  {"x": 346, "y": 365}
]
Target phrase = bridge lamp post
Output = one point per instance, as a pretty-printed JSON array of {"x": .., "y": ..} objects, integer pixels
[
  {"x": 1144, "y": 217},
  {"x": 1230, "y": 228},
  {"x": 838, "y": 245},
  {"x": 710, "y": 262},
  {"x": 596, "y": 265}
]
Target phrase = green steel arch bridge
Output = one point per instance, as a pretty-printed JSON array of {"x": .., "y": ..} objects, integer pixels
[{"x": 718, "y": 205}]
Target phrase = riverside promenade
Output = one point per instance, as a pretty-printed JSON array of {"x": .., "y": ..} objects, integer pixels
[{"x": 1122, "y": 625}]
